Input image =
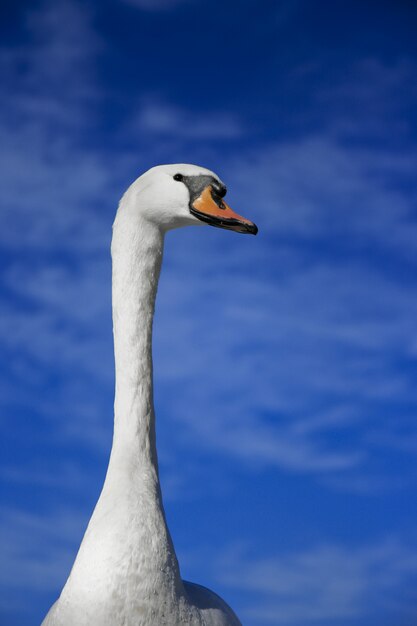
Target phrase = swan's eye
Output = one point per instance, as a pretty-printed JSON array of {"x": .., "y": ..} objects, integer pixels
[{"x": 179, "y": 177}]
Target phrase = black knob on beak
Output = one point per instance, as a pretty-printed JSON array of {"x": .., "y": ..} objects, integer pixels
[{"x": 219, "y": 189}]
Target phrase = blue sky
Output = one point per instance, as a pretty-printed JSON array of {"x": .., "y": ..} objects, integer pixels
[{"x": 285, "y": 364}]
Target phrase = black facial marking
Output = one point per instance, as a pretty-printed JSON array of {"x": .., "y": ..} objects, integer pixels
[{"x": 197, "y": 184}]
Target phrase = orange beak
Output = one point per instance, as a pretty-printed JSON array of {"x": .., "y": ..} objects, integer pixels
[{"x": 210, "y": 208}]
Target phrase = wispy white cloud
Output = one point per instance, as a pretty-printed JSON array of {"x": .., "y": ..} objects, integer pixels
[
  {"x": 327, "y": 582},
  {"x": 320, "y": 582},
  {"x": 68, "y": 476},
  {"x": 373, "y": 97},
  {"x": 51, "y": 182},
  {"x": 37, "y": 552},
  {"x": 317, "y": 186},
  {"x": 319, "y": 332},
  {"x": 289, "y": 357},
  {"x": 359, "y": 323},
  {"x": 162, "y": 119},
  {"x": 58, "y": 91}
]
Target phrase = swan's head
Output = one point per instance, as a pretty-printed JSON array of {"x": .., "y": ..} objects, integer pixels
[{"x": 171, "y": 196}]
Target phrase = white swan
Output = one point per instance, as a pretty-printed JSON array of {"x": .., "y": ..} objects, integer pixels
[{"x": 126, "y": 572}]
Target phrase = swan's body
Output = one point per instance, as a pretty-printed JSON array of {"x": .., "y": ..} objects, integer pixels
[{"x": 126, "y": 572}]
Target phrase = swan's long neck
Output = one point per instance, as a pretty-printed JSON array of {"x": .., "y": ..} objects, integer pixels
[
  {"x": 137, "y": 256},
  {"x": 127, "y": 556}
]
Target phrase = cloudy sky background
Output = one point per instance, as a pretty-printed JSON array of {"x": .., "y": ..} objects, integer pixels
[{"x": 285, "y": 364}]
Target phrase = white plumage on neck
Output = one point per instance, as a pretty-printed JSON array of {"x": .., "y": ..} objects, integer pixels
[{"x": 126, "y": 572}]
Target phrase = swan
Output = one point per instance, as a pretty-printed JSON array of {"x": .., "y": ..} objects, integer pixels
[{"x": 126, "y": 571}]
